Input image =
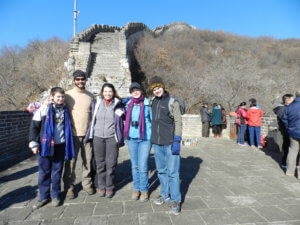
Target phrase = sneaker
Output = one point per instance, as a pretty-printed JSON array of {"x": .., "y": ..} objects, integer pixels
[
  {"x": 56, "y": 202},
  {"x": 109, "y": 194},
  {"x": 289, "y": 174},
  {"x": 89, "y": 191},
  {"x": 135, "y": 195},
  {"x": 260, "y": 147},
  {"x": 161, "y": 200},
  {"x": 101, "y": 193},
  {"x": 70, "y": 194},
  {"x": 144, "y": 196},
  {"x": 245, "y": 144},
  {"x": 175, "y": 208},
  {"x": 41, "y": 203}
]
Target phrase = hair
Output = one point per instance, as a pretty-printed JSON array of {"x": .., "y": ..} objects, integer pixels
[
  {"x": 252, "y": 101},
  {"x": 57, "y": 90},
  {"x": 243, "y": 104},
  {"x": 286, "y": 97},
  {"x": 215, "y": 104},
  {"x": 252, "y": 104},
  {"x": 115, "y": 94},
  {"x": 297, "y": 94}
]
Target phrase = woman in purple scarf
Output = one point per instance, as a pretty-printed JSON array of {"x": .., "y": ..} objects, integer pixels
[{"x": 137, "y": 132}]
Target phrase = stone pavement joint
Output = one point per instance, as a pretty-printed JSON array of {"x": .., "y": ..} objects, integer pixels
[{"x": 221, "y": 183}]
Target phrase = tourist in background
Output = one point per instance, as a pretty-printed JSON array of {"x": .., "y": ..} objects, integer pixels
[
  {"x": 137, "y": 131},
  {"x": 50, "y": 137},
  {"x": 283, "y": 136},
  {"x": 253, "y": 116},
  {"x": 241, "y": 121},
  {"x": 205, "y": 118},
  {"x": 106, "y": 133},
  {"x": 166, "y": 134},
  {"x": 224, "y": 120},
  {"x": 79, "y": 100},
  {"x": 216, "y": 120},
  {"x": 291, "y": 119}
]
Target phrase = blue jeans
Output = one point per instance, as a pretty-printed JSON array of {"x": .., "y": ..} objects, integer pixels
[
  {"x": 255, "y": 130},
  {"x": 241, "y": 133},
  {"x": 168, "y": 166},
  {"x": 139, "y": 151}
]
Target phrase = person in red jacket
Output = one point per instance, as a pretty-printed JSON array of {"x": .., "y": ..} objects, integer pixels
[
  {"x": 253, "y": 116},
  {"x": 241, "y": 121}
]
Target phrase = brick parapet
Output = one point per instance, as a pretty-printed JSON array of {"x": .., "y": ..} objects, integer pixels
[{"x": 14, "y": 127}]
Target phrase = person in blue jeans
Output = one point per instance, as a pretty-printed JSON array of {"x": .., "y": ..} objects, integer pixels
[
  {"x": 241, "y": 121},
  {"x": 137, "y": 131},
  {"x": 166, "y": 137}
]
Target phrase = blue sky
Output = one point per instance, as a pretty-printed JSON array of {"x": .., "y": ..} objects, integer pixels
[{"x": 25, "y": 20}]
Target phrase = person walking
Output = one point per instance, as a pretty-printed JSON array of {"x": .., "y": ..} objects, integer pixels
[
  {"x": 50, "y": 137},
  {"x": 291, "y": 119},
  {"x": 205, "y": 119},
  {"x": 216, "y": 120},
  {"x": 106, "y": 133},
  {"x": 166, "y": 132},
  {"x": 283, "y": 136},
  {"x": 241, "y": 121},
  {"x": 137, "y": 132},
  {"x": 253, "y": 116},
  {"x": 79, "y": 100}
]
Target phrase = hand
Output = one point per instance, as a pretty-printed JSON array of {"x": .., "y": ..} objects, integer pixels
[
  {"x": 35, "y": 150},
  {"x": 176, "y": 145}
]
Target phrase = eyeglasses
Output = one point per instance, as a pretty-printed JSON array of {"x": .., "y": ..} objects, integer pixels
[{"x": 79, "y": 79}]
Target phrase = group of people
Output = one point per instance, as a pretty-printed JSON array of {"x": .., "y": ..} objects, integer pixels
[
  {"x": 215, "y": 119},
  {"x": 76, "y": 122},
  {"x": 249, "y": 120}
]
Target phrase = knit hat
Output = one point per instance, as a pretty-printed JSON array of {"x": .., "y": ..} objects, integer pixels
[
  {"x": 79, "y": 73},
  {"x": 156, "y": 82},
  {"x": 135, "y": 85}
]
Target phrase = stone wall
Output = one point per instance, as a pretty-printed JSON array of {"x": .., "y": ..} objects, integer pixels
[
  {"x": 192, "y": 126},
  {"x": 14, "y": 127}
]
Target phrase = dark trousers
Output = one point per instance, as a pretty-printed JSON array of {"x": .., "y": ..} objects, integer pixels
[
  {"x": 241, "y": 133},
  {"x": 254, "y": 134},
  {"x": 283, "y": 143},
  {"x": 106, "y": 154},
  {"x": 217, "y": 129},
  {"x": 50, "y": 171},
  {"x": 205, "y": 129}
]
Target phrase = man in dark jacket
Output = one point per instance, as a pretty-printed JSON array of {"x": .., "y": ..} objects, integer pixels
[
  {"x": 166, "y": 132},
  {"x": 291, "y": 119},
  {"x": 205, "y": 118},
  {"x": 283, "y": 139}
]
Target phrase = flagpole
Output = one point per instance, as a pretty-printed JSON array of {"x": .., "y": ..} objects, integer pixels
[{"x": 75, "y": 13}]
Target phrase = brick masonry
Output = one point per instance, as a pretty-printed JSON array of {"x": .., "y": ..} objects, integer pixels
[{"x": 14, "y": 126}]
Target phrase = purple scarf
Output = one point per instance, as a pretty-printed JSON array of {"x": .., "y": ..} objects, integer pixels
[{"x": 133, "y": 101}]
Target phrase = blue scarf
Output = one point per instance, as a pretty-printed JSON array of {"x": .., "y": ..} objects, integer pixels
[{"x": 47, "y": 142}]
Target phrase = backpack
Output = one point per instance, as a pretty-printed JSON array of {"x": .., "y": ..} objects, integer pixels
[{"x": 171, "y": 104}]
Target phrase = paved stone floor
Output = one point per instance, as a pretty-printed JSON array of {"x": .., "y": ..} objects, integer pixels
[{"x": 222, "y": 183}]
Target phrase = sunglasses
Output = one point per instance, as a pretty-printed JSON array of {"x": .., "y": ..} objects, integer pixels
[{"x": 80, "y": 79}]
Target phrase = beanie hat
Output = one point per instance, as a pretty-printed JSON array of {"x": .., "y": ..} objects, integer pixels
[
  {"x": 156, "y": 82},
  {"x": 135, "y": 85},
  {"x": 79, "y": 73}
]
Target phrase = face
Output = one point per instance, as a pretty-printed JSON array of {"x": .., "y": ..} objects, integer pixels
[
  {"x": 80, "y": 82},
  {"x": 289, "y": 100},
  {"x": 136, "y": 93},
  {"x": 108, "y": 93},
  {"x": 158, "y": 91},
  {"x": 58, "y": 98}
]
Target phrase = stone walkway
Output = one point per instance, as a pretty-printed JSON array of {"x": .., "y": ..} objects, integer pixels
[{"x": 222, "y": 183}]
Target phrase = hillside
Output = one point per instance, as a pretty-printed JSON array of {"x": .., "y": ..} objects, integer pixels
[{"x": 201, "y": 65}]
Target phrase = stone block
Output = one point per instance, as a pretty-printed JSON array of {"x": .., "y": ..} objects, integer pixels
[
  {"x": 131, "y": 219},
  {"x": 108, "y": 208},
  {"x": 79, "y": 210}
]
